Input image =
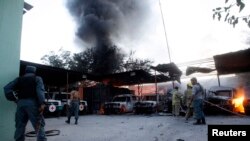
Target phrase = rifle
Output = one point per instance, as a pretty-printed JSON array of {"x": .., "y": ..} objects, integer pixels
[{"x": 38, "y": 123}]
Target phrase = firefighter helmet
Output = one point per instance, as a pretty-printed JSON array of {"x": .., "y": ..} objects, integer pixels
[{"x": 189, "y": 84}]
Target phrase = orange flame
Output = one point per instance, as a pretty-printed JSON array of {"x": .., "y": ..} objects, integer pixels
[
  {"x": 101, "y": 111},
  {"x": 238, "y": 104},
  {"x": 238, "y": 101}
]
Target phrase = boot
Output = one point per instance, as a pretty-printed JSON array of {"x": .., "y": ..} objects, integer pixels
[
  {"x": 203, "y": 121},
  {"x": 76, "y": 121},
  {"x": 198, "y": 122},
  {"x": 68, "y": 121}
]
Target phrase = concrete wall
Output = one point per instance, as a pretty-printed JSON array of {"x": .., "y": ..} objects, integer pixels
[{"x": 10, "y": 37}]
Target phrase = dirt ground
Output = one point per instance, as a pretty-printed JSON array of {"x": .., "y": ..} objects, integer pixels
[{"x": 157, "y": 127}]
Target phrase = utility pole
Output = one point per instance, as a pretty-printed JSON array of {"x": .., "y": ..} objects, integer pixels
[
  {"x": 156, "y": 89},
  {"x": 165, "y": 32},
  {"x": 166, "y": 36}
]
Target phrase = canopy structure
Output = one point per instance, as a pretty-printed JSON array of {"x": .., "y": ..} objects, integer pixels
[
  {"x": 60, "y": 77},
  {"x": 133, "y": 78},
  {"x": 54, "y": 76},
  {"x": 169, "y": 72},
  {"x": 191, "y": 70},
  {"x": 233, "y": 62}
]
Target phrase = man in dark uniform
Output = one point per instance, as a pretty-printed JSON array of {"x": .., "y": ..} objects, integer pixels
[
  {"x": 197, "y": 98},
  {"x": 30, "y": 103}
]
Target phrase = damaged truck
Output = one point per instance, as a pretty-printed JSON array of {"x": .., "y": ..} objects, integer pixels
[{"x": 219, "y": 99}]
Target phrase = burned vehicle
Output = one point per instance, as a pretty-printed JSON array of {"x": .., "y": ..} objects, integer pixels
[
  {"x": 246, "y": 101},
  {"x": 148, "y": 104},
  {"x": 219, "y": 99},
  {"x": 246, "y": 104},
  {"x": 120, "y": 104},
  {"x": 145, "y": 107}
]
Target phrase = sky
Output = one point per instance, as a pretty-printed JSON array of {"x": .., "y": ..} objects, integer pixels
[{"x": 191, "y": 32}]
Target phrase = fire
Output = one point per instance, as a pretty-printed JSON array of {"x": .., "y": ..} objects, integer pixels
[
  {"x": 101, "y": 111},
  {"x": 238, "y": 104}
]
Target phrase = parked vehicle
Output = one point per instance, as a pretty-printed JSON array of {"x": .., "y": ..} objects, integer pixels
[
  {"x": 148, "y": 104},
  {"x": 64, "y": 97},
  {"x": 220, "y": 96},
  {"x": 145, "y": 107},
  {"x": 53, "y": 107},
  {"x": 120, "y": 104},
  {"x": 246, "y": 104}
]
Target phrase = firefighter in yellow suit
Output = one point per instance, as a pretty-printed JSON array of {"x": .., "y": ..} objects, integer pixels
[
  {"x": 176, "y": 101},
  {"x": 187, "y": 101}
]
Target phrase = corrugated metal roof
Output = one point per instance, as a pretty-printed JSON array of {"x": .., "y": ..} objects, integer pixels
[{"x": 233, "y": 62}]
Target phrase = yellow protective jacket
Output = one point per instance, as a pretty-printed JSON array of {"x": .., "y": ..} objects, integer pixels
[
  {"x": 176, "y": 97},
  {"x": 187, "y": 98}
]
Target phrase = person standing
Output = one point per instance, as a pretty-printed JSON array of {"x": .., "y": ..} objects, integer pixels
[
  {"x": 197, "y": 97},
  {"x": 74, "y": 106},
  {"x": 30, "y": 103},
  {"x": 176, "y": 101},
  {"x": 187, "y": 101}
]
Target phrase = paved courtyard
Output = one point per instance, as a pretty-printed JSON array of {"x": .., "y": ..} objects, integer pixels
[{"x": 133, "y": 128}]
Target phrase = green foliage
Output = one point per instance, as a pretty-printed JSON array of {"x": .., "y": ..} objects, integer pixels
[
  {"x": 82, "y": 61},
  {"x": 132, "y": 63},
  {"x": 89, "y": 61},
  {"x": 60, "y": 60},
  {"x": 231, "y": 18}
]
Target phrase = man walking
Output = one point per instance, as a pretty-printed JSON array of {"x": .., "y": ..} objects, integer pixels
[
  {"x": 74, "y": 106},
  {"x": 30, "y": 103},
  {"x": 197, "y": 96}
]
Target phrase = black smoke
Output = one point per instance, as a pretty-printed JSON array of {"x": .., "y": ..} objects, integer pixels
[{"x": 100, "y": 22}]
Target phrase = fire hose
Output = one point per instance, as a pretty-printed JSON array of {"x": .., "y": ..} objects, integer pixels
[
  {"x": 223, "y": 108},
  {"x": 47, "y": 133}
]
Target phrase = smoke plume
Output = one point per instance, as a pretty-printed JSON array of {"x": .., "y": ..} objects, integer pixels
[{"x": 101, "y": 22}]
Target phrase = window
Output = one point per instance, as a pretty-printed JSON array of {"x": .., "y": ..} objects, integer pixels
[
  {"x": 224, "y": 93},
  {"x": 120, "y": 99}
]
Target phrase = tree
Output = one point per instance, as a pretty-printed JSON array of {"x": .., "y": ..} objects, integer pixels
[
  {"x": 60, "y": 60},
  {"x": 82, "y": 61},
  {"x": 133, "y": 63},
  {"x": 105, "y": 61},
  {"x": 230, "y": 17}
]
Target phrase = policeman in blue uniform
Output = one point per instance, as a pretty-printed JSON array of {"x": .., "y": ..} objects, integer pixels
[
  {"x": 30, "y": 103},
  {"x": 197, "y": 98}
]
